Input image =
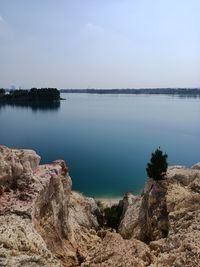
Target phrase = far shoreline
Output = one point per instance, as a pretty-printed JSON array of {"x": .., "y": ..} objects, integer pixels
[{"x": 187, "y": 92}]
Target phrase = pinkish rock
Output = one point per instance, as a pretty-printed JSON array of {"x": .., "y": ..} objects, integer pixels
[{"x": 42, "y": 223}]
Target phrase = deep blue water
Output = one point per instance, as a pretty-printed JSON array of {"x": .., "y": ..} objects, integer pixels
[{"x": 106, "y": 140}]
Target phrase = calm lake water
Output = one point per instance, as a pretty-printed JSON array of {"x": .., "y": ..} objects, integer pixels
[{"x": 106, "y": 140}]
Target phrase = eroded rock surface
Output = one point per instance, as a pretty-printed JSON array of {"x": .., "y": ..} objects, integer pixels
[
  {"x": 44, "y": 223},
  {"x": 129, "y": 226},
  {"x": 118, "y": 252},
  {"x": 182, "y": 245},
  {"x": 168, "y": 218}
]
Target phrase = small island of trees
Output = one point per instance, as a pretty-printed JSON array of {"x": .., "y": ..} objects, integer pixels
[{"x": 32, "y": 95}]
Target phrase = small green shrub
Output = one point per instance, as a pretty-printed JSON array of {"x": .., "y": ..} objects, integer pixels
[
  {"x": 157, "y": 166},
  {"x": 112, "y": 216}
]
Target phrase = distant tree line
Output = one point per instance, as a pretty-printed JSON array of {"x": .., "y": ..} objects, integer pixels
[
  {"x": 170, "y": 91},
  {"x": 2, "y": 92},
  {"x": 34, "y": 94}
]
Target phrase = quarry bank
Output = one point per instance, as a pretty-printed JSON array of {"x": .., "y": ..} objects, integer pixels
[{"x": 44, "y": 223}]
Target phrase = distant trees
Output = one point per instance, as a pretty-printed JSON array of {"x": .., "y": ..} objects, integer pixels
[
  {"x": 34, "y": 95},
  {"x": 157, "y": 166},
  {"x": 193, "y": 92},
  {"x": 2, "y": 92},
  {"x": 45, "y": 93},
  {"x": 17, "y": 94}
]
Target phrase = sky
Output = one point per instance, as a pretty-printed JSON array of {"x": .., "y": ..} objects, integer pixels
[{"x": 100, "y": 43}]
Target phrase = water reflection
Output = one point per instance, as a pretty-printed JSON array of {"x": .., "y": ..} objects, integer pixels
[
  {"x": 43, "y": 106},
  {"x": 188, "y": 96}
]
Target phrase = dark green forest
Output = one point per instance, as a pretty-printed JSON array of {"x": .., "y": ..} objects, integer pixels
[{"x": 32, "y": 95}]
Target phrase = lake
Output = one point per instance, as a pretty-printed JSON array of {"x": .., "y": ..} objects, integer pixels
[{"x": 106, "y": 140}]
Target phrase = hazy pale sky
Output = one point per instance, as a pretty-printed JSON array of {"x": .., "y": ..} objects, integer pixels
[{"x": 100, "y": 43}]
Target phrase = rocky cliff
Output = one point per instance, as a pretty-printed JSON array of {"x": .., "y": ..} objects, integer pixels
[
  {"x": 44, "y": 223},
  {"x": 168, "y": 219}
]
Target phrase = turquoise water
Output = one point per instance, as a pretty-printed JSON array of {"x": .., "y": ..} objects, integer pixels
[{"x": 106, "y": 140}]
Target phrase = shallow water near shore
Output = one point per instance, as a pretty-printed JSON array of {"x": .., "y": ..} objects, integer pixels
[{"x": 106, "y": 140}]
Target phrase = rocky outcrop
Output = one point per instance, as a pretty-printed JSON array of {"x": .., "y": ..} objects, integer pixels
[
  {"x": 168, "y": 218},
  {"x": 118, "y": 252},
  {"x": 82, "y": 224},
  {"x": 146, "y": 217},
  {"x": 42, "y": 222},
  {"x": 181, "y": 247},
  {"x": 129, "y": 224},
  {"x": 153, "y": 216}
]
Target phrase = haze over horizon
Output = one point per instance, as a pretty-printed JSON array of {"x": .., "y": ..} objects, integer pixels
[{"x": 100, "y": 44}]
